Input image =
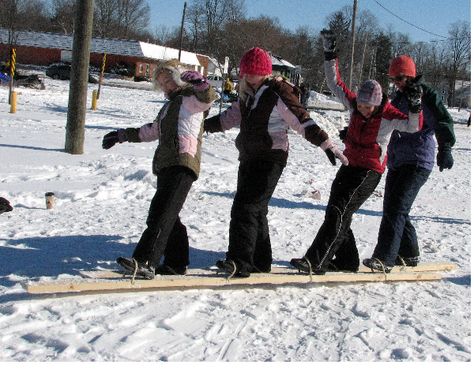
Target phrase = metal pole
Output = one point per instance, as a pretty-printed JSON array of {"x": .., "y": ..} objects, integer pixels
[
  {"x": 354, "y": 12},
  {"x": 101, "y": 76},
  {"x": 181, "y": 32}
]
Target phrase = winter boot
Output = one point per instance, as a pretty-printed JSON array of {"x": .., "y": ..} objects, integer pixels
[
  {"x": 377, "y": 265},
  {"x": 5, "y": 206},
  {"x": 137, "y": 268},
  {"x": 304, "y": 265},
  {"x": 168, "y": 270},
  {"x": 232, "y": 268},
  {"x": 407, "y": 261}
]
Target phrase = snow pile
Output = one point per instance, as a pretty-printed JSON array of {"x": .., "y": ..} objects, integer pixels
[{"x": 102, "y": 199}]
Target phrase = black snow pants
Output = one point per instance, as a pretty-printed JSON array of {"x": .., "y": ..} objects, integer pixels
[
  {"x": 350, "y": 189},
  {"x": 249, "y": 239},
  {"x": 165, "y": 234}
]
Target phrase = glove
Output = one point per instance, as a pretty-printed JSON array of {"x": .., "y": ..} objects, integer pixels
[
  {"x": 195, "y": 78},
  {"x": 332, "y": 152},
  {"x": 5, "y": 205},
  {"x": 444, "y": 159},
  {"x": 343, "y": 133},
  {"x": 414, "y": 91},
  {"x": 329, "y": 41},
  {"x": 111, "y": 138}
]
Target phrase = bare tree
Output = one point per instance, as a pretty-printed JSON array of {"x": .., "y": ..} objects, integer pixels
[
  {"x": 133, "y": 17},
  {"x": 63, "y": 14},
  {"x": 458, "y": 47}
]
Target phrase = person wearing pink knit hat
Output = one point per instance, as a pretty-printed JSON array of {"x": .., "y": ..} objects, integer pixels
[
  {"x": 267, "y": 108},
  {"x": 372, "y": 121}
]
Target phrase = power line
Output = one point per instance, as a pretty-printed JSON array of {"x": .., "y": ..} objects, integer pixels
[{"x": 411, "y": 24}]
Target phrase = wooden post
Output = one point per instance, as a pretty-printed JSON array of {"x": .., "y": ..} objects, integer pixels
[
  {"x": 354, "y": 12},
  {"x": 95, "y": 96},
  {"x": 76, "y": 114},
  {"x": 13, "y": 102},
  {"x": 101, "y": 76},
  {"x": 12, "y": 73}
]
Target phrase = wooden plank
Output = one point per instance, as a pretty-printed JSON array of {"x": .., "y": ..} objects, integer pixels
[
  {"x": 424, "y": 267},
  {"x": 208, "y": 279}
]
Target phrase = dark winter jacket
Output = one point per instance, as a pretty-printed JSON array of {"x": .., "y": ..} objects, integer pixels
[
  {"x": 179, "y": 127},
  {"x": 264, "y": 120},
  {"x": 366, "y": 140},
  {"x": 419, "y": 148}
]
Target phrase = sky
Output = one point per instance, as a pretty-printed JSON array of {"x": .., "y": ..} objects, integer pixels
[{"x": 434, "y": 16}]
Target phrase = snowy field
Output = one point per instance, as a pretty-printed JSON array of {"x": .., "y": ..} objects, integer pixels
[{"x": 102, "y": 203}]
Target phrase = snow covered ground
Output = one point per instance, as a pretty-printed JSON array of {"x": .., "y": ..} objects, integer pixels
[{"x": 102, "y": 203}]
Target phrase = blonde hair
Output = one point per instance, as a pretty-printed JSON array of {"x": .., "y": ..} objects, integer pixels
[{"x": 174, "y": 68}]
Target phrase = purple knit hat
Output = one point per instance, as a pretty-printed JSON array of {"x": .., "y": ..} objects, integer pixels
[{"x": 370, "y": 93}]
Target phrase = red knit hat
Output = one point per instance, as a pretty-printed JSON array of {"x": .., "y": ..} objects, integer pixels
[
  {"x": 402, "y": 65},
  {"x": 256, "y": 61}
]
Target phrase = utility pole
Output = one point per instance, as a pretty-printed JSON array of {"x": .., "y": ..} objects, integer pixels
[
  {"x": 354, "y": 13},
  {"x": 181, "y": 32},
  {"x": 76, "y": 113}
]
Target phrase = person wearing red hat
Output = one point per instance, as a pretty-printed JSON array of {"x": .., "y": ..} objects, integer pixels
[
  {"x": 267, "y": 108},
  {"x": 372, "y": 121},
  {"x": 411, "y": 157}
]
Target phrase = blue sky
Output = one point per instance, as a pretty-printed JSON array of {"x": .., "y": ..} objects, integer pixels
[{"x": 432, "y": 15}]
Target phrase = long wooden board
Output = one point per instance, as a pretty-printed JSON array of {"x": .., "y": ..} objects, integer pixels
[{"x": 110, "y": 281}]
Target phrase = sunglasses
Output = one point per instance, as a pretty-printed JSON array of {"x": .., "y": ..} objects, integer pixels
[{"x": 397, "y": 78}]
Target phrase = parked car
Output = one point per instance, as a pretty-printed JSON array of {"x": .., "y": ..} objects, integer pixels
[
  {"x": 215, "y": 81},
  {"x": 62, "y": 71}
]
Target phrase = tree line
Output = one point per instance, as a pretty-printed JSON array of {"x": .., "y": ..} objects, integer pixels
[{"x": 221, "y": 28}]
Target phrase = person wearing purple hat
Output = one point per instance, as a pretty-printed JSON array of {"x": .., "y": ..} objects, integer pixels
[
  {"x": 267, "y": 108},
  {"x": 372, "y": 121},
  {"x": 176, "y": 164}
]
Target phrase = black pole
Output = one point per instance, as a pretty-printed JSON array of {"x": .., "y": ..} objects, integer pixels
[{"x": 181, "y": 33}]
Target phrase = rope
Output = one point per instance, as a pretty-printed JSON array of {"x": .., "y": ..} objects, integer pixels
[
  {"x": 134, "y": 271},
  {"x": 383, "y": 267},
  {"x": 310, "y": 269},
  {"x": 234, "y": 271},
  {"x": 403, "y": 262}
]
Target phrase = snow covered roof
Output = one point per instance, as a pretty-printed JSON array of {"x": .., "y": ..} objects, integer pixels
[
  {"x": 131, "y": 48},
  {"x": 278, "y": 61}
]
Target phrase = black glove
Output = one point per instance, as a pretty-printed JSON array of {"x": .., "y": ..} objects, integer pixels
[
  {"x": 5, "y": 205},
  {"x": 343, "y": 133},
  {"x": 111, "y": 138},
  {"x": 444, "y": 159},
  {"x": 332, "y": 152},
  {"x": 329, "y": 44},
  {"x": 414, "y": 92}
]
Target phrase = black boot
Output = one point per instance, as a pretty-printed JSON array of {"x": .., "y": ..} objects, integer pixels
[
  {"x": 407, "y": 261},
  {"x": 377, "y": 265},
  {"x": 304, "y": 265},
  {"x": 137, "y": 268},
  {"x": 232, "y": 268},
  {"x": 168, "y": 270}
]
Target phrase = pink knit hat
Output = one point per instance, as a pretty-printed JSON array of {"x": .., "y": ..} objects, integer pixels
[
  {"x": 256, "y": 61},
  {"x": 370, "y": 93}
]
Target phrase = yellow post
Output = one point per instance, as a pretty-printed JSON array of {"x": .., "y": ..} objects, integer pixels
[
  {"x": 94, "y": 100},
  {"x": 13, "y": 103}
]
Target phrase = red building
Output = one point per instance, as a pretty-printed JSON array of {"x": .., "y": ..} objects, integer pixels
[{"x": 44, "y": 48}]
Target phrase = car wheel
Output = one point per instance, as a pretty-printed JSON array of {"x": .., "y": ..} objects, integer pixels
[{"x": 55, "y": 76}]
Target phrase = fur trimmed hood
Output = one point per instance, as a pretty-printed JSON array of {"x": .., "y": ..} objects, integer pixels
[{"x": 174, "y": 67}]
